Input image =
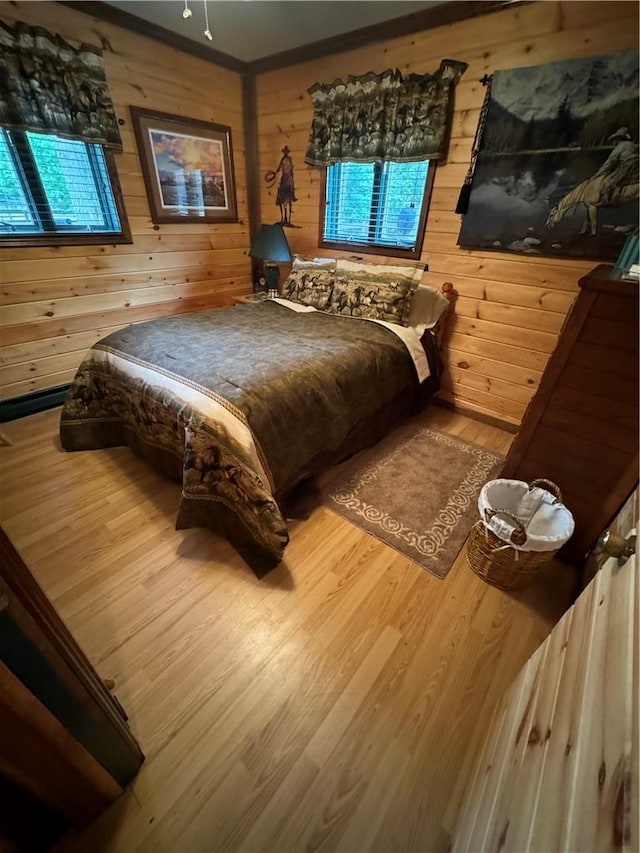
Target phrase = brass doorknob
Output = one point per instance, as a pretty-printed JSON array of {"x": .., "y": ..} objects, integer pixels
[{"x": 614, "y": 545}]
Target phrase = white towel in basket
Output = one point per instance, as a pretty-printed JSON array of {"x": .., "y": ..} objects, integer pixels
[{"x": 548, "y": 524}]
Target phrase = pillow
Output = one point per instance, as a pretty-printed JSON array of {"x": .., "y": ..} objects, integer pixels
[
  {"x": 375, "y": 291},
  {"x": 427, "y": 306},
  {"x": 310, "y": 282}
]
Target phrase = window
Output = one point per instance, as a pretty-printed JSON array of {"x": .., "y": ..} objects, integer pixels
[
  {"x": 55, "y": 191},
  {"x": 376, "y": 207}
]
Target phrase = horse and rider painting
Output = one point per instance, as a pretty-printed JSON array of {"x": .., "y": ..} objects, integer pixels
[{"x": 557, "y": 171}]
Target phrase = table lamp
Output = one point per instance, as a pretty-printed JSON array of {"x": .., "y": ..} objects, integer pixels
[{"x": 270, "y": 245}]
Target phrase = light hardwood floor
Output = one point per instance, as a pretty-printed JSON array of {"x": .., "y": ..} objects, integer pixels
[{"x": 336, "y": 704}]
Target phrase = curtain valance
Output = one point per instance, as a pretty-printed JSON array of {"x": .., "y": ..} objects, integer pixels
[
  {"x": 48, "y": 86},
  {"x": 382, "y": 116}
]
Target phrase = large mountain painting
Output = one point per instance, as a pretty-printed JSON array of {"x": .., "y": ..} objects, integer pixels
[{"x": 557, "y": 171}]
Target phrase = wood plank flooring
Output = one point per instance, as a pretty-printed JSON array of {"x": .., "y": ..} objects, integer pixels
[{"x": 336, "y": 705}]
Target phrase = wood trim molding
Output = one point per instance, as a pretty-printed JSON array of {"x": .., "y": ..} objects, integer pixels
[
  {"x": 250, "y": 121},
  {"x": 427, "y": 19},
  {"x": 461, "y": 409},
  {"x": 29, "y": 404},
  {"x": 112, "y": 15},
  {"x": 30, "y": 609},
  {"x": 41, "y": 756}
]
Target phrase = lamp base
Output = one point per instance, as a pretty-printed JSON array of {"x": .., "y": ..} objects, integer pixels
[{"x": 271, "y": 273}]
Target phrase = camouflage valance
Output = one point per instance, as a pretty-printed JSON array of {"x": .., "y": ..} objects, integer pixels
[
  {"x": 383, "y": 116},
  {"x": 48, "y": 86}
]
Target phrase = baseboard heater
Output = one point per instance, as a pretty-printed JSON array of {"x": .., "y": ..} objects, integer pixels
[{"x": 29, "y": 404}]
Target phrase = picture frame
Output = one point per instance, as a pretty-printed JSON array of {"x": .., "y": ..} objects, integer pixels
[{"x": 187, "y": 166}]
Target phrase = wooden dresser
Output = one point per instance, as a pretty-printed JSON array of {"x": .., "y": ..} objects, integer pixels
[{"x": 581, "y": 427}]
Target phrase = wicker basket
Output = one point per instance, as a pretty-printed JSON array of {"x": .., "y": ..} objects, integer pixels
[{"x": 495, "y": 561}]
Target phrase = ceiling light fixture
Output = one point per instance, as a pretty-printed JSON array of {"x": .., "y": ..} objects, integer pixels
[
  {"x": 187, "y": 13},
  {"x": 207, "y": 31}
]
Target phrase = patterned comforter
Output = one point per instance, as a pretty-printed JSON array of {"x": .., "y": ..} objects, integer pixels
[{"x": 235, "y": 403}]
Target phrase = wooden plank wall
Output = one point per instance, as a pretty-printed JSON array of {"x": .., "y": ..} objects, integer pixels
[
  {"x": 559, "y": 770},
  {"x": 511, "y": 307},
  {"x": 57, "y": 301}
]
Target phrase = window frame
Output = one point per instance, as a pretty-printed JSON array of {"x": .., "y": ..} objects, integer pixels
[
  {"x": 372, "y": 248},
  {"x": 67, "y": 238}
]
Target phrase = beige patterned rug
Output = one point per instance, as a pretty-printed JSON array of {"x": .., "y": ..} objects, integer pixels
[{"x": 416, "y": 490}]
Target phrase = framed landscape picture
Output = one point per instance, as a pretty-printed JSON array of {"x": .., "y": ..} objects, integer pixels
[
  {"x": 187, "y": 166},
  {"x": 557, "y": 170}
]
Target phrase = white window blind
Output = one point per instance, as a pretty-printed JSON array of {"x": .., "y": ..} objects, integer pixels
[
  {"x": 375, "y": 204},
  {"x": 54, "y": 185},
  {"x": 15, "y": 205}
]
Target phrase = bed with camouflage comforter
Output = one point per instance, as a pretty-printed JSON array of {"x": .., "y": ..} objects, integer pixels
[{"x": 241, "y": 404}]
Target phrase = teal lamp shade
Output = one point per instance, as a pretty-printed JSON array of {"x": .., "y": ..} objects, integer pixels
[{"x": 270, "y": 246}]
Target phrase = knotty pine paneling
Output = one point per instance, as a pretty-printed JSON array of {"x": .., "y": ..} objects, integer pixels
[
  {"x": 559, "y": 769},
  {"x": 511, "y": 307},
  {"x": 56, "y": 302}
]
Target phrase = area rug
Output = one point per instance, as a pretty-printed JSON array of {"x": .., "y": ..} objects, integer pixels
[{"x": 416, "y": 490}]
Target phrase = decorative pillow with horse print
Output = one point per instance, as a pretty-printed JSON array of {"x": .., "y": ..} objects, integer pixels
[
  {"x": 374, "y": 291},
  {"x": 310, "y": 282}
]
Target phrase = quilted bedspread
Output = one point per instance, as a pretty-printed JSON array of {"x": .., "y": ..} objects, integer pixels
[{"x": 235, "y": 403}]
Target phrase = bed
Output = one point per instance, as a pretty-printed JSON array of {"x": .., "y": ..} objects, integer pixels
[{"x": 243, "y": 404}]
